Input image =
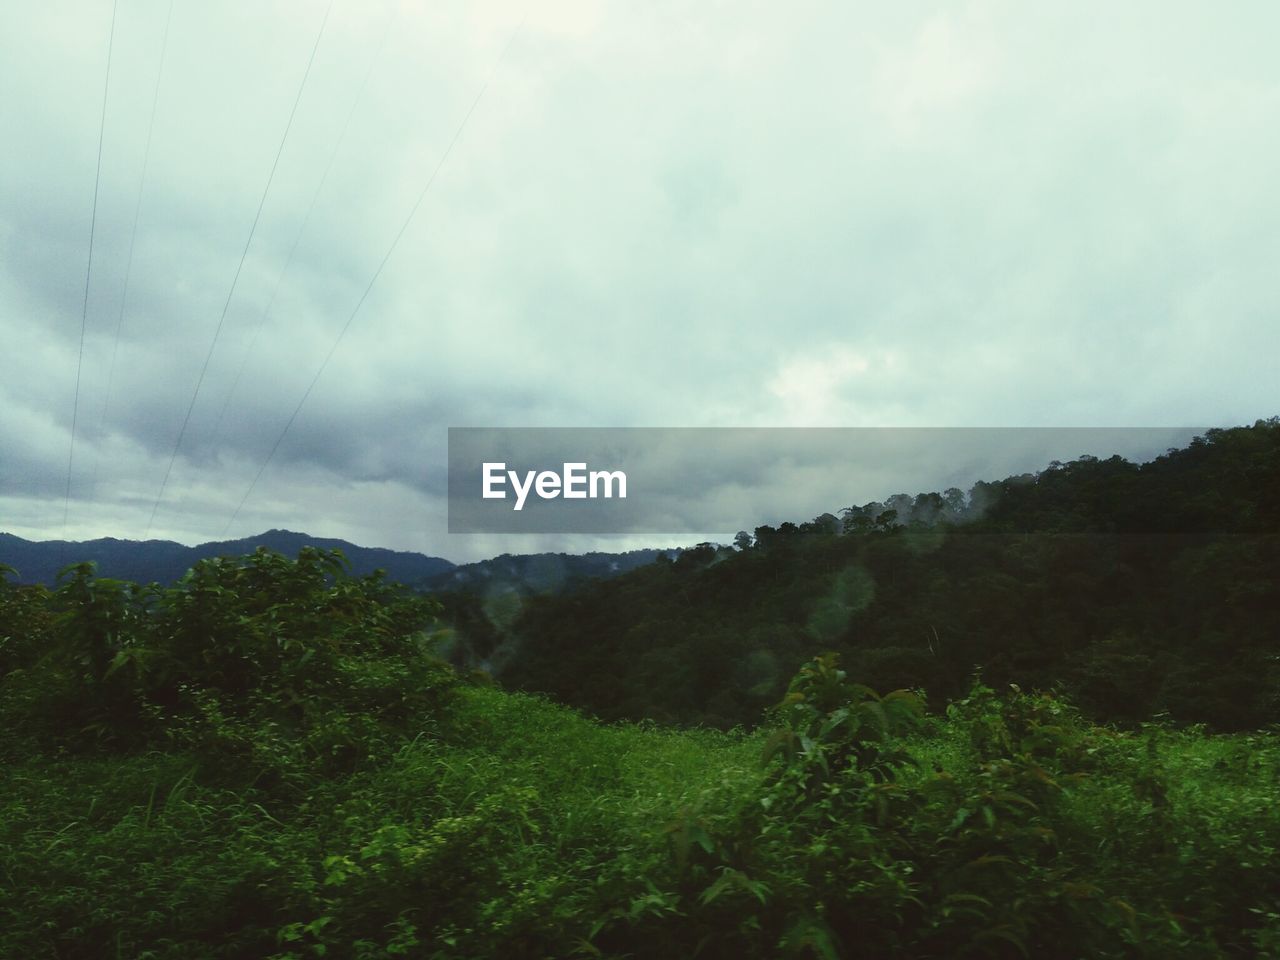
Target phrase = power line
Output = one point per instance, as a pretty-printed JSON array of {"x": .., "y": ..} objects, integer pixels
[
  {"x": 457, "y": 134},
  {"x": 266, "y": 313},
  {"x": 182, "y": 432},
  {"x": 88, "y": 273},
  {"x": 133, "y": 235}
]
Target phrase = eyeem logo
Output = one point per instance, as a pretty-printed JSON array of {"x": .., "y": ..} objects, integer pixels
[{"x": 574, "y": 483}]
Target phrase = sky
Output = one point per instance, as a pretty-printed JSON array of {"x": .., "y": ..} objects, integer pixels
[{"x": 977, "y": 214}]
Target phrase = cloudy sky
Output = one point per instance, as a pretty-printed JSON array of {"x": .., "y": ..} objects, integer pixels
[{"x": 657, "y": 214}]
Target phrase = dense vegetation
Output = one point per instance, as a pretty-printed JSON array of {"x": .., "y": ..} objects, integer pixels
[
  {"x": 265, "y": 761},
  {"x": 268, "y": 759},
  {"x": 1137, "y": 590}
]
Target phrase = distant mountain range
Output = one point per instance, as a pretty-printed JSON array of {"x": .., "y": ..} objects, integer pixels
[{"x": 163, "y": 561}]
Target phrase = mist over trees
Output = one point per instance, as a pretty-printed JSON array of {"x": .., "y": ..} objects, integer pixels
[{"x": 1136, "y": 589}]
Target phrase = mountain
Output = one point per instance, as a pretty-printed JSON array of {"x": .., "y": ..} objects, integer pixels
[{"x": 164, "y": 561}]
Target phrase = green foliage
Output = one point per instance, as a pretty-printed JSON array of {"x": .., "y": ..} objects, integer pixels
[
  {"x": 1135, "y": 589},
  {"x": 288, "y": 662},
  {"x": 267, "y": 761},
  {"x": 829, "y": 723},
  {"x": 26, "y": 623}
]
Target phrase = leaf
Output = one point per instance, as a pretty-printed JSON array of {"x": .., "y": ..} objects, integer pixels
[
  {"x": 1010, "y": 797},
  {"x": 862, "y": 692},
  {"x": 967, "y": 898},
  {"x": 1004, "y": 932},
  {"x": 814, "y": 934},
  {"x": 731, "y": 879},
  {"x": 834, "y": 719},
  {"x": 876, "y": 712},
  {"x": 784, "y": 741},
  {"x": 118, "y": 661}
]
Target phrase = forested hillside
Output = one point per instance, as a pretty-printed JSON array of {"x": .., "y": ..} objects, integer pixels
[
  {"x": 1138, "y": 590},
  {"x": 265, "y": 760},
  {"x": 269, "y": 758},
  {"x": 529, "y": 573}
]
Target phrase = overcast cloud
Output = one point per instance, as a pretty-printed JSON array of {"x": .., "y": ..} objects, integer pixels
[{"x": 659, "y": 214}]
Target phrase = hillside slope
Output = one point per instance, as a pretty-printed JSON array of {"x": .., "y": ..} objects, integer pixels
[{"x": 1139, "y": 589}]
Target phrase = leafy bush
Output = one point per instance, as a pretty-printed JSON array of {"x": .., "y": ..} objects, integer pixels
[{"x": 267, "y": 761}]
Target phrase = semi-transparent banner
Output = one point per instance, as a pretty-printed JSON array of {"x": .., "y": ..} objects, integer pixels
[{"x": 675, "y": 480}]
